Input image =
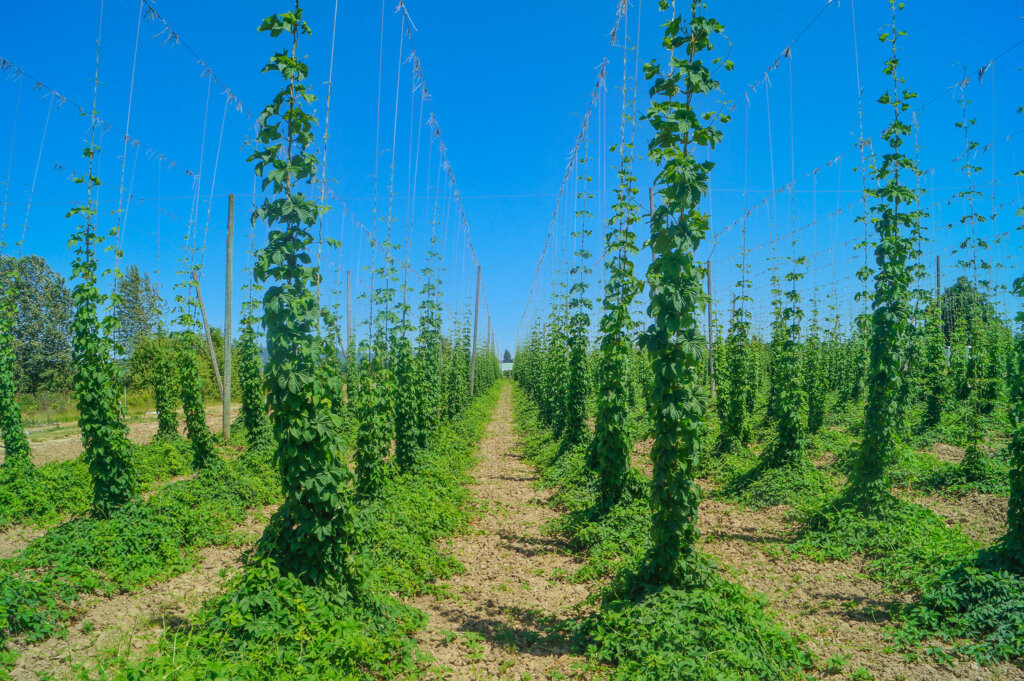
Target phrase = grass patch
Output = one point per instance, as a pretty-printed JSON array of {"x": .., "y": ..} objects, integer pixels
[
  {"x": 143, "y": 542},
  {"x": 975, "y": 610},
  {"x": 799, "y": 484},
  {"x": 720, "y": 631},
  {"x": 53, "y": 491},
  {"x": 907, "y": 547}
]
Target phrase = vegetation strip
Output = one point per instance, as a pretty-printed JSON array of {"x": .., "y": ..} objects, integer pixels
[
  {"x": 266, "y": 623},
  {"x": 720, "y": 631}
]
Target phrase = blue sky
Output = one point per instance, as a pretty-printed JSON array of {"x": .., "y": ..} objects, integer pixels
[{"x": 509, "y": 84}]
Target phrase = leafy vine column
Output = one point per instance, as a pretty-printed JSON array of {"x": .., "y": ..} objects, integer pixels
[
  {"x": 578, "y": 378},
  {"x": 1013, "y": 543},
  {"x": 816, "y": 381},
  {"x": 678, "y": 400},
  {"x": 613, "y": 444},
  {"x": 430, "y": 346},
  {"x": 313, "y": 533},
  {"x": 258, "y": 433},
  {"x": 895, "y": 216},
  {"x": 164, "y": 391},
  {"x": 790, "y": 427},
  {"x": 17, "y": 455},
  {"x": 734, "y": 389},
  {"x": 107, "y": 450},
  {"x": 190, "y": 382},
  {"x": 376, "y": 401}
]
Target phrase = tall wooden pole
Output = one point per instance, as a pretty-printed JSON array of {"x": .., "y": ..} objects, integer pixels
[
  {"x": 476, "y": 320},
  {"x": 209, "y": 338},
  {"x": 938, "y": 279},
  {"x": 228, "y": 286},
  {"x": 711, "y": 339}
]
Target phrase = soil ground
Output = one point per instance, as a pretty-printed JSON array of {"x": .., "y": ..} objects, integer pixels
[
  {"x": 842, "y": 613},
  {"x": 66, "y": 443},
  {"x": 499, "y": 618},
  {"x": 128, "y": 624}
]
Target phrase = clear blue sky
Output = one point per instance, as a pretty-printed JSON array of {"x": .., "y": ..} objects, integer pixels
[{"x": 509, "y": 83}]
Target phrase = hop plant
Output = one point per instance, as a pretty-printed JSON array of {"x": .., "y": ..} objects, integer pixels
[
  {"x": 815, "y": 379},
  {"x": 165, "y": 392},
  {"x": 204, "y": 454},
  {"x": 578, "y": 385},
  {"x": 104, "y": 433},
  {"x": 259, "y": 435},
  {"x": 678, "y": 401},
  {"x": 408, "y": 410},
  {"x": 736, "y": 386},
  {"x": 791, "y": 424},
  {"x": 376, "y": 425},
  {"x": 935, "y": 376},
  {"x": 313, "y": 534},
  {"x": 1012, "y": 544},
  {"x": 17, "y": 455},
  {"x": 896, "y": 218},
  {"x": 613, "y": 443}
]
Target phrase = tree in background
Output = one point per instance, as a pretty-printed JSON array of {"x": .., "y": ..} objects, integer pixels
[
  {"x": 507, "y": 357},
  {"x": 138, "y": 308},
  {"x": 40, "y": 324}
]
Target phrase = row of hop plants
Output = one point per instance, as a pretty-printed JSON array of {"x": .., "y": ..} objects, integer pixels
[
  {"x": 908, "y": 360},
  {"x": 316, "y": 394},
  {"x": 391, "y": 390},
  {"x": 98, "y": 378}
]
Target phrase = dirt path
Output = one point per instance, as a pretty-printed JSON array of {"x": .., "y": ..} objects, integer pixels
[
  {"x": 497, "y": 618},
  {"x": 66, "y": 447}
]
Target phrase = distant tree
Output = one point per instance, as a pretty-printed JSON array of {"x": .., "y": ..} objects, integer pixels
[
  {"x": 962, "y": 302},
  {"x": 42, "y": 325},
  {"x": 507, "y": 357},
  {"x": 138, "y": 308}
]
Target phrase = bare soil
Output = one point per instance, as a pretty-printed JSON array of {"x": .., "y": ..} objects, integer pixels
[
  {"x": 981, "y": 517},
  {"x": 497, "y": 618},
  {"x": 840, "y": 611},
  {"x": 126, "y": 625},
  {"x": 14, "y": 539},
  {"x": 948, "y": 453},
  {"x": 68, "y": 443}
]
